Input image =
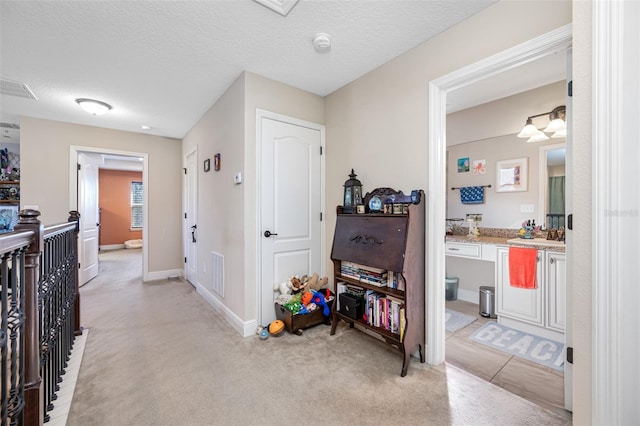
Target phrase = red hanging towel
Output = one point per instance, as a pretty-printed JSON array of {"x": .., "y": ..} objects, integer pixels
[{"x": 522, "y": 267}]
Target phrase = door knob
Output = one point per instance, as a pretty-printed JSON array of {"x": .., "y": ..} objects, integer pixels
[{"x": 268, "y": 234}]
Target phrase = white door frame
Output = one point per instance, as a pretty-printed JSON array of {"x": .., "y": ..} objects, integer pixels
[
  {"x": 185, "y": 229},
  {"x": 73, "y": 191},
  {"x": 615, "y": 201},
  {"x": 260, "y": 114},
  {"x": 438, "y": 89}
]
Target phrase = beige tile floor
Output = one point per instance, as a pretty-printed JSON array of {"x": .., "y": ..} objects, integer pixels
[{"x": 541, "y": 385}]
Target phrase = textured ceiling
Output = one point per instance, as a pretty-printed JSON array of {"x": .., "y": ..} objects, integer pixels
[{"x": 165, "y": 63}]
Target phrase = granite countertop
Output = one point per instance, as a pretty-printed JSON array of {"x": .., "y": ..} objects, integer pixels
[
  {"x": 539, "y": 243},
  {"x": 482, "y": 239}
]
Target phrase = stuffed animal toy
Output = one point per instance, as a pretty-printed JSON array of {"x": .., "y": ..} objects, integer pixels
[
  {"x": 284, "y": 288},
  {"x": 296, "y": 284},
  {"x": 283, "y": 299},
  {"x": 306, "y": 297},
  {"x": 294, "y": 304},
  {"x": 318, "y": 299},
  {"x": 314, "y": 282}
]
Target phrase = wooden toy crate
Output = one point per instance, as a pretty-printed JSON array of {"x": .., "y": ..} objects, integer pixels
[{"x": 298, "y": 323}]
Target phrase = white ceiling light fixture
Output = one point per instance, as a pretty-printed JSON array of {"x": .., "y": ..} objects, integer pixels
[
  {"x": 93, "y": 106},
  {"x": 322, "y": 42},
  {"x": 557, "y": 125},
  {"x": 145, "y": 127}
]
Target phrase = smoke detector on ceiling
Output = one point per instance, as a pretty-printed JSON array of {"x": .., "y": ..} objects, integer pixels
[{"x": 322, "y": 42}]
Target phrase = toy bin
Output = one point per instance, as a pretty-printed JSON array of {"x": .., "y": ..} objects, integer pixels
[{"x": 299, "y": 322}]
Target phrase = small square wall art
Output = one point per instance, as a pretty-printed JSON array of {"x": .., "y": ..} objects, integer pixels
[
  {"x": 479, "y": 167},
  {"x": 463, "y": 165}
]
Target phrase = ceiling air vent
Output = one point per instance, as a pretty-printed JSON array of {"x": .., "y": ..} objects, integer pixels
[
  {"x": 15, "y": 88},
  {"x": 283, "y": 7}
]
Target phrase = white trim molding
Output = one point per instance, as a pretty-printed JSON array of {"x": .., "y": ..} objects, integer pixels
[
  {"x": 74, "y": 150},
  {"x": 244, "y": 328},
  {"x": 616, "y": 212},
  {"x": 531, "y": 50}
]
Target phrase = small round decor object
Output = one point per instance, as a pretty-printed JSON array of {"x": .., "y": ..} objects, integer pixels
[
  {"x": 276, "y": 328},
  {"x": 264, "y": 334},
  {"x": 375, "y": 204}
]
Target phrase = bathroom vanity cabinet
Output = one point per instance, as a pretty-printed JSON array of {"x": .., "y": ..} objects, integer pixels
[{"x": 540, "y": 310}]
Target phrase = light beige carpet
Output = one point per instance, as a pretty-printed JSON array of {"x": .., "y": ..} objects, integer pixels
[{"x": 158, "y": 355}]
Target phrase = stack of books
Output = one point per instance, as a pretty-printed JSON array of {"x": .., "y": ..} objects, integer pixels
[
  {"x": 366, "y": 274},
  {"x": 385, "y": 311}
]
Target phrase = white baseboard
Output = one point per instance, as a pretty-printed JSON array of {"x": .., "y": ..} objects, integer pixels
[
  {"x": 469, "y": 296},
  {"x": 244, "y": 328},
  {"x": 108, "y": 247},
  {"x": 163, "y": 275}
]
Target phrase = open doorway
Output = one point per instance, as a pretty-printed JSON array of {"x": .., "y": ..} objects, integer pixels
[
  {"x": 120, "y": 203},
  {"x": 85, "y": 186},
  {"x": 440, "y": 96}
]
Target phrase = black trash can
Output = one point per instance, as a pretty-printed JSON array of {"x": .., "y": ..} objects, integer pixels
[{"x": 487, "y": 301}]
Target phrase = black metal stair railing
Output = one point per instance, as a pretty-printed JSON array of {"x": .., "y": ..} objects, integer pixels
[
  {"x": 12, "y": 328},
  {"x": 39, "y": 315},
  {"x": 56, "y": 296}
]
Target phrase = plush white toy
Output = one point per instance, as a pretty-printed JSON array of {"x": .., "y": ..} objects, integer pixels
[{"x": 284, "y": 288}]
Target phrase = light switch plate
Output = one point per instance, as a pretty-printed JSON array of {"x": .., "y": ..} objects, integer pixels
[
  {"x": 526, "y": 208},
  {"x": 237, "y": 178}
]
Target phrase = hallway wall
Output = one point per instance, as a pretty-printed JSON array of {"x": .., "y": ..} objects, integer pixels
[{"x": 45, "y": 152}]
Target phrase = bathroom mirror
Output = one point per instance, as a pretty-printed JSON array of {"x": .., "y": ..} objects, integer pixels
[{"x": 552, "y": 185}]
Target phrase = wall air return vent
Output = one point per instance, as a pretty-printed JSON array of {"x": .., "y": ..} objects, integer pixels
[{"x": 15, "y": 88}]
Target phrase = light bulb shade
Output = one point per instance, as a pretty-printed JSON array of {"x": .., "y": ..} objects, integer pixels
[
  {"x": 538, "y": 137},
  {"x": 528, "y": 130},
  {"x": 555, "y": 126},
  {"x": 93, "y": 107},
  {"x": 560, "y": 134}
]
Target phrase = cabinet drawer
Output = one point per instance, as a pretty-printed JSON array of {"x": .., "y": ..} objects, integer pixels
[{"x": 463, "y": 250}]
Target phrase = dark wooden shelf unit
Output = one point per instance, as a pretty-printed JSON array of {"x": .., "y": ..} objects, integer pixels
[
  {"x": 394, "y": 242},
  {"x": 10, "y": 183}
]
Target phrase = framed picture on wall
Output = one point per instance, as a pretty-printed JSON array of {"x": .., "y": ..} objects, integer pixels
[
  {"x": 8, "y": 217},
  {"x": 207, "y": 165},
  {"x": 511, "y": 175}
]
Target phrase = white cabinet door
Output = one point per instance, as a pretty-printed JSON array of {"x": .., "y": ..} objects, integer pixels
[
  {"x": 518, "y": 303},
  {"x": 556, "y": 267}
]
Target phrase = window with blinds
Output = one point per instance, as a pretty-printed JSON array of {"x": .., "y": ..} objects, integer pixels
[{"x": 136, "y": 205}]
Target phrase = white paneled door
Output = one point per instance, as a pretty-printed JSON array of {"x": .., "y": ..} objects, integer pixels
[
  {"x": 290, "y": 210},
  {"x": 89, "y": 217}
]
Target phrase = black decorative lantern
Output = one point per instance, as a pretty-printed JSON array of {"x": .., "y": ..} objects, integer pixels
[{"x": 352, "y": 194}]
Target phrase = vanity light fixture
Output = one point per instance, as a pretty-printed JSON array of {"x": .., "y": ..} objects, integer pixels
[
  {"x": 557, "y": 125},
  {"x": 93, "y": 107}
]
